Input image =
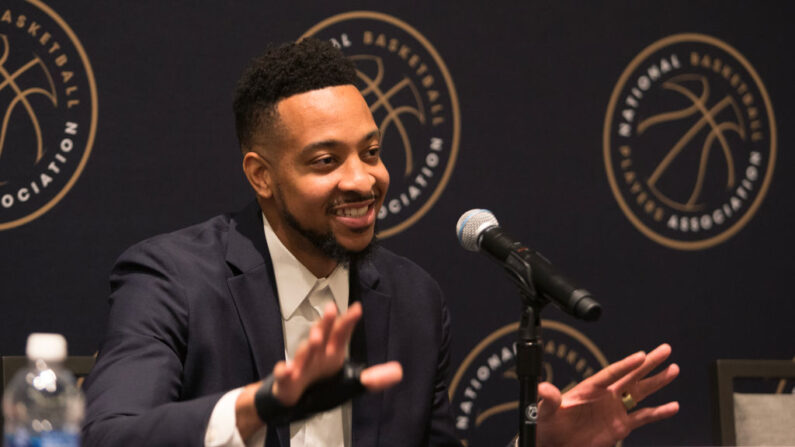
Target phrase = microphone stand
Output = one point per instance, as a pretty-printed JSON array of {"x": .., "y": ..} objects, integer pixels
[{"x": 529, "y": 350}]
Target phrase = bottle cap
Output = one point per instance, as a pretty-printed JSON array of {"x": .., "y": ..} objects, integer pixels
[{"x": 47, "y": 347}]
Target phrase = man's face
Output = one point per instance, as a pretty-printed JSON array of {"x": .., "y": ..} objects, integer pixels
[{"x": 327, "y": 176}]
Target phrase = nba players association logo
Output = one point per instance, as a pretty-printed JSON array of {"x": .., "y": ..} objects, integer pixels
[
  {"x": 414, "y": 103},
  {"x": 48, "y": 110},
  {"x": 484, "y": 392},
  {"x": 689, "y": 141}
]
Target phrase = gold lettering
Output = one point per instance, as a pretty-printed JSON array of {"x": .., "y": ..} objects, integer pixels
[
  {"x": 367, "y": 38},
  {"x": 404, "y": 52},
  {"x": 393, "y": 45},
  {"x": 423, "y": 68},
  {"x": 55, "y": 46},
  {"x": 694, "y": 58},
  {"x": 571, "y": 357},
  {"x": 433, "y": 95},
  {"x": 427, "y": 81},
  {"x": 45, "y": 38},
  {"x": 726, "y": 72},
  {"x": 413, "y": 60},
  {"x": 6, "y": 16},
  {"x": 66, "y": 76},
  {"x": 21, "y": 21},
  {"x": 33, "y": 28},
  {"x": 60, "y": 60},
  {"x": 436, "y": 108},
  {"x": 380, "y": 40},
  {"x": 625, "y": 150},
  {"x": 72, "y": 102}
]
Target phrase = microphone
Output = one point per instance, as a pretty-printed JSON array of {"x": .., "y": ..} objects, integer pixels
[{"x": 478, "y": 230}]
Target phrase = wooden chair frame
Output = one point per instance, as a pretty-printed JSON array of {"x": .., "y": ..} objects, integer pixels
[{"x": 725, "y": 373}]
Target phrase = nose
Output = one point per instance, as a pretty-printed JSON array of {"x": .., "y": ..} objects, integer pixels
[{"x": 356, "y": 176}]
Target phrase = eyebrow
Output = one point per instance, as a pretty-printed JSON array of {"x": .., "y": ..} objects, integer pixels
[{"x": 333, "y": 143}]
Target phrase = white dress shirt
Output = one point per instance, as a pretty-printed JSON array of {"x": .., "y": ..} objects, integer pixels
[{"x": 302, "y": 298}]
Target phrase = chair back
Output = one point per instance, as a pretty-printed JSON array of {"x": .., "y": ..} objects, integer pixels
[{"x": 754, "y": 418}]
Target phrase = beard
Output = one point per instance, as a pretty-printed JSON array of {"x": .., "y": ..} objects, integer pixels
[{"x": 326, "y": 242}]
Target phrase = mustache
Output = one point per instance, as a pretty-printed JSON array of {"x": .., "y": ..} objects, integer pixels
[{"x": 353, "y": 197}]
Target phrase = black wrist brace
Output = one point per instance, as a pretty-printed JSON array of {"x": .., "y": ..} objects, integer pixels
[{"x": 320, "y": 396}]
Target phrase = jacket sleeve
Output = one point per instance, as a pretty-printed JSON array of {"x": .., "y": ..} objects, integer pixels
[
  {"x": 442, "y": 433},
  {"x": 134, "y": 391}
]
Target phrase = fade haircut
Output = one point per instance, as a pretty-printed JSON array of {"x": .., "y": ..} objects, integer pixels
[{"x": 283, "y": 71}]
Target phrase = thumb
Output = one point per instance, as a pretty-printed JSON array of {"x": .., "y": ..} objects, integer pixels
[
  {"x": 379, "y": 377},
  {"x": 550, "y": 400}
]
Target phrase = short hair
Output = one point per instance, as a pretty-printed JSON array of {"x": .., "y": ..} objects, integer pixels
[{"x": 283, "y": 71}]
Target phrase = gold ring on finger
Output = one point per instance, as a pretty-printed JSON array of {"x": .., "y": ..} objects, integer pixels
[{"x": 628, "y": 401}]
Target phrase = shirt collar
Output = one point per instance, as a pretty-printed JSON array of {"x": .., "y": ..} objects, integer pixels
[{"x": 294, "y": 281}]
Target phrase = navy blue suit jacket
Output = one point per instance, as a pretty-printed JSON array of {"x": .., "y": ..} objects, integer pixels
[{"x": 195, "y": 314}]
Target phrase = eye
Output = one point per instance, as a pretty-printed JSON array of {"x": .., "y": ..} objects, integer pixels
[
  {"x": 372, "y": 153},
  {"x": 326, "y": 160}
]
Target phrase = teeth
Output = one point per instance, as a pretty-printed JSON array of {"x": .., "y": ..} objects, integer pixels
[{"x": 352, "y": 212}]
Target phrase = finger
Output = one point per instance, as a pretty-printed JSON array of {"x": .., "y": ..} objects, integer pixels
[
  {"x": 648, "y": 415},
  {"x": 343, "y": 327},
  {"x": 326, "y": 322},
  {"x": 617, "y": 370},
  {"x": 280, "y": 371},
  {"x": 653, "y": 360},
  {"x": 306, "y": 350},
  {"x": 284, "y": 385},
  {"x": 550, "y": 399},
  {"x": 316, "y": 346},
  {"x": 379, "y": 377},
  {"x": 648, "y": 386}
]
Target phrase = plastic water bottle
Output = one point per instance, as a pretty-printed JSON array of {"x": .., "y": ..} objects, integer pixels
[{"x": 42, "y": 406}]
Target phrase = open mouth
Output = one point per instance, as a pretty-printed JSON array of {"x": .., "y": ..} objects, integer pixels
[{"x": 352, "y": 212}]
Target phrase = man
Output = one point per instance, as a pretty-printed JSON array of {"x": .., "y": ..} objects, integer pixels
[{"x": 200, "y": 316}]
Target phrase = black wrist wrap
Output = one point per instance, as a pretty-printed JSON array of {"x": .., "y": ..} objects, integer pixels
[{"x": 320, "y": 396}]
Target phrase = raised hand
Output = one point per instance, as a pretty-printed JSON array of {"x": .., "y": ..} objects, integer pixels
[
  {"x": 319, "y": 356},
  {"x": 596, "y": 412}
]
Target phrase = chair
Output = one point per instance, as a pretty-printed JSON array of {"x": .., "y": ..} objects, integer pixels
[{"x": 757, "y": 418}]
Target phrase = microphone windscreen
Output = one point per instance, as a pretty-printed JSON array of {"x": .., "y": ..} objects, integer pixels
[{"x": 471, "y": 225}]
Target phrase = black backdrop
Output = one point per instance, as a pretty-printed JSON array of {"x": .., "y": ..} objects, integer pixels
[{"x": 533, "y": 81}]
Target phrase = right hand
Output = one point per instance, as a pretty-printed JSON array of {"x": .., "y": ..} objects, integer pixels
[
  {"x": 323, "y": 353},
  {"x": 319, "y": 356}
]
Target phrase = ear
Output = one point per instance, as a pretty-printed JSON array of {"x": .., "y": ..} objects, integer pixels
[{"x": 258, "y": 172}]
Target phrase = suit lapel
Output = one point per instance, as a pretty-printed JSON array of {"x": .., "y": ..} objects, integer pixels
[
  {"x": 369, "y": 345},
  {"x": 253, "y": 290}
]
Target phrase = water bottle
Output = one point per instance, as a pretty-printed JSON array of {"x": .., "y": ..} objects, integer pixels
[{"x": 42, "y": 406}]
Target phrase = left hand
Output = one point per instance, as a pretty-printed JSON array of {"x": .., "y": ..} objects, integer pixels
[{"x": 592, "y": 413}]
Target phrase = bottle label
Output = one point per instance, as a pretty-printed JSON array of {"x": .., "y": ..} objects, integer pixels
[{"x": 47, "y": 439}]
